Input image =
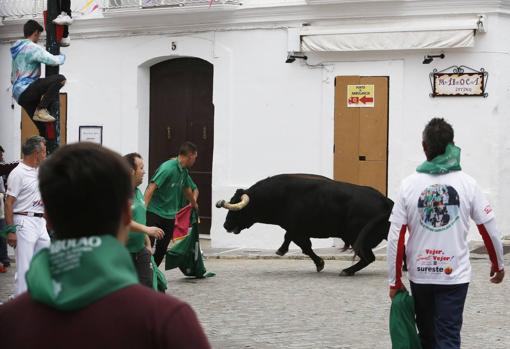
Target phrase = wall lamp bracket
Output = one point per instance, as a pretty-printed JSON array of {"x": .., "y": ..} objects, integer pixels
[
  {"x": 291, "y": 57},
  {"x": 429, "y": 58}
]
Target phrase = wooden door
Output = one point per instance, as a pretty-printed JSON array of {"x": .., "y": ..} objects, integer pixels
[
  {"x": 181, "y": 109},
  {"x": 361, "y": 131},
  {"x": 28, "y": 128}
]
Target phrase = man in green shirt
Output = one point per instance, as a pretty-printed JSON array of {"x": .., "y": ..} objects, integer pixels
[
  {"x": 138, "y": 243},
  {"x": 163, "y": 196}
]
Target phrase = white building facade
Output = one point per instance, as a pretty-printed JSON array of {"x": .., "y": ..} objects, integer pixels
[{"x": 274, "y": 117}]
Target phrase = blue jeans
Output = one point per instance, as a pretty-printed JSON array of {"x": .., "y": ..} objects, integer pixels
[
  {"x": 4, "y": 259},
  {"x": 439, "y": 310}
]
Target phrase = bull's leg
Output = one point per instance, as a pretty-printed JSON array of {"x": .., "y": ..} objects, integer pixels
[
  {"x": 366, "y": 258},
  {"x": 306, "y": 246},
  {"x": 369, "y": 237},
  {"x": 284, "y": 248}
]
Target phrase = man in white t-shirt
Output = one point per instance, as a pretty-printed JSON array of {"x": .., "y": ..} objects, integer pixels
[
  {"x": 435, "y": 205},
  {"x": 24, "y": 209}
]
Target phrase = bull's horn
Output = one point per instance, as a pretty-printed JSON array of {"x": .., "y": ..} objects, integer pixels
[{"x": 245, "y": 199}]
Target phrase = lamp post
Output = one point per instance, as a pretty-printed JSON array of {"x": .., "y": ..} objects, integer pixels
[{"x": 52, "y": 133}]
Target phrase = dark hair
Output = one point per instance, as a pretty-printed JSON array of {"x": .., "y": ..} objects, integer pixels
[
  {"x": 32, "y": 144},
  {"x": 31, "y": 27},
  {"x": 2, "y": 149},
  {"x": 130, "y": 158},
  {"x": 437, "y": 135},
  {"x": 85, "y": 188},
  {"x": 187, "y": 148}
]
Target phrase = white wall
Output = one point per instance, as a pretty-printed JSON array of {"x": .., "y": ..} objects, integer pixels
[
  {"x": 272, "y": 117},
  {"x": 9, "y": 118}
]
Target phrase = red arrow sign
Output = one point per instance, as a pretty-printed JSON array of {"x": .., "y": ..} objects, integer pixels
[{"x": 366, "y": 99}]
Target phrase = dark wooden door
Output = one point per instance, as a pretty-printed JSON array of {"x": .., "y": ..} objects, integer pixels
[{"x": 181, "y": 110}]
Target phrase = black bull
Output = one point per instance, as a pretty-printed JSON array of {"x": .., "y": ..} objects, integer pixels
[{"x": 310, "y": 206}]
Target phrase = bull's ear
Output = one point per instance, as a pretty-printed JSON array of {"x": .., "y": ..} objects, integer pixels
[{"x": 239, "y": 192}]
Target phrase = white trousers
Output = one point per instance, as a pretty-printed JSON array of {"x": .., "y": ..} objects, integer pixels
[{"x": 31, "y": 236}]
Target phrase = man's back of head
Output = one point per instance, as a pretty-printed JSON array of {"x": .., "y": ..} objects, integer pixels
[
  {"x": 436, "y": 136},
  {"x": 86, "y": 190}
]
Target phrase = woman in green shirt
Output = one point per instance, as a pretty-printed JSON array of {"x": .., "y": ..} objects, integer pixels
[{"x": 138, "y": 243}]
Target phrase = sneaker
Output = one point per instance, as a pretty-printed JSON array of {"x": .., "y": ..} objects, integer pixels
[
  {"x": 42, "y": 115},
  {"x": 65, "y": 42},
  {"x": 63, "y": 19}
]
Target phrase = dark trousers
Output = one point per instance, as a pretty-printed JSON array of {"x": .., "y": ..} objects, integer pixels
[
  {"x": 40, "y": 95},
  {"x": 65, "y": 6},
  {"x": 4, "y": 258},
  {"x": 439, "y": 311},
  {"x": 142, "y": 262},
  {"x": 167, "y": 225}
]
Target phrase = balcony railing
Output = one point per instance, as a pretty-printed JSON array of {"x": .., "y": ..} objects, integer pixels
[{"x": 19, "y": 9}]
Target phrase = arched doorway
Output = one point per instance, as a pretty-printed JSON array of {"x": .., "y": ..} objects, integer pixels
[{"x": 181, "y": 109}]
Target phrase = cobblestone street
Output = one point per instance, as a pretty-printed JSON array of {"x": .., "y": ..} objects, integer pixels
[{"x": 284, "y": 303}]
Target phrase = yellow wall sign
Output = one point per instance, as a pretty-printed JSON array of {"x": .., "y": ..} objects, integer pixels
[{"x": 360, "y": 96}]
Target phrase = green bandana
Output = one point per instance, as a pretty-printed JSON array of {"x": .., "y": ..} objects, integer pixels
[
  {"x": 444, "y": 163},
  {"x": 74, "y": 273},
  {"x": 8, "y": 229}
]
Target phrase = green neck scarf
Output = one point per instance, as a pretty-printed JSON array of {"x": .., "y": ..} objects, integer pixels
[
  {"x": 444, "y": 163},
  {"x": 74, "y": 273},
  {"x": 7, "y": 229}
]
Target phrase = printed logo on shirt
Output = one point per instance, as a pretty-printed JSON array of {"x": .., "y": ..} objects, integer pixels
[
  {"x": 436, "y": 262},
  {"x": 487, "y": 209},
  {"x": 37, "y": 203},
  {"x": 439, "y": 207}
]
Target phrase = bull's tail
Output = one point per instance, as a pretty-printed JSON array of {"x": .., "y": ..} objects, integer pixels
[{"x": 371, "y": 235}]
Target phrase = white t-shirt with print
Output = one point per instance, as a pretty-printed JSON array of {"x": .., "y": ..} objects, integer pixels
[
  {"x": 23, "y": 184},
  {"x": 436, "y": 210}
]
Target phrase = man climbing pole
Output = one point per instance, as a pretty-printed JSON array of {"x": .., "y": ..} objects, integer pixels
[{"x": 33, "y": 93}]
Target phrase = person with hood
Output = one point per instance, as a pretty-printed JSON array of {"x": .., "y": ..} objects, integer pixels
[
  {"x": 33, "y": 93},
  {"x": 83, "y": 291},
  {"x": 437, "y": 250}
]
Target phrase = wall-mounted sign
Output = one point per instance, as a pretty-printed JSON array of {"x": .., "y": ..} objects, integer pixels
[
  {"x": 92, "y": 134},
  {"x": 458, "y": 82},
  {"x": 360, "y": 96}
]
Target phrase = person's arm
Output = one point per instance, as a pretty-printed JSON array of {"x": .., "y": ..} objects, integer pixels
[
  {"x": 149, "y": 192},
  {"x": 9, "y": 219},
  {"x": 483, "y": 215},
  {"x": 44, "y": 57},
  {"x": 492, "y": 240},
  {"x": 396, "y": 243},
  {"x": 395, "y": 251},
  {"x": 148, "y": 243},
  {"x": 188, "y": 194},
  {"x": 154, "y": 232}
]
